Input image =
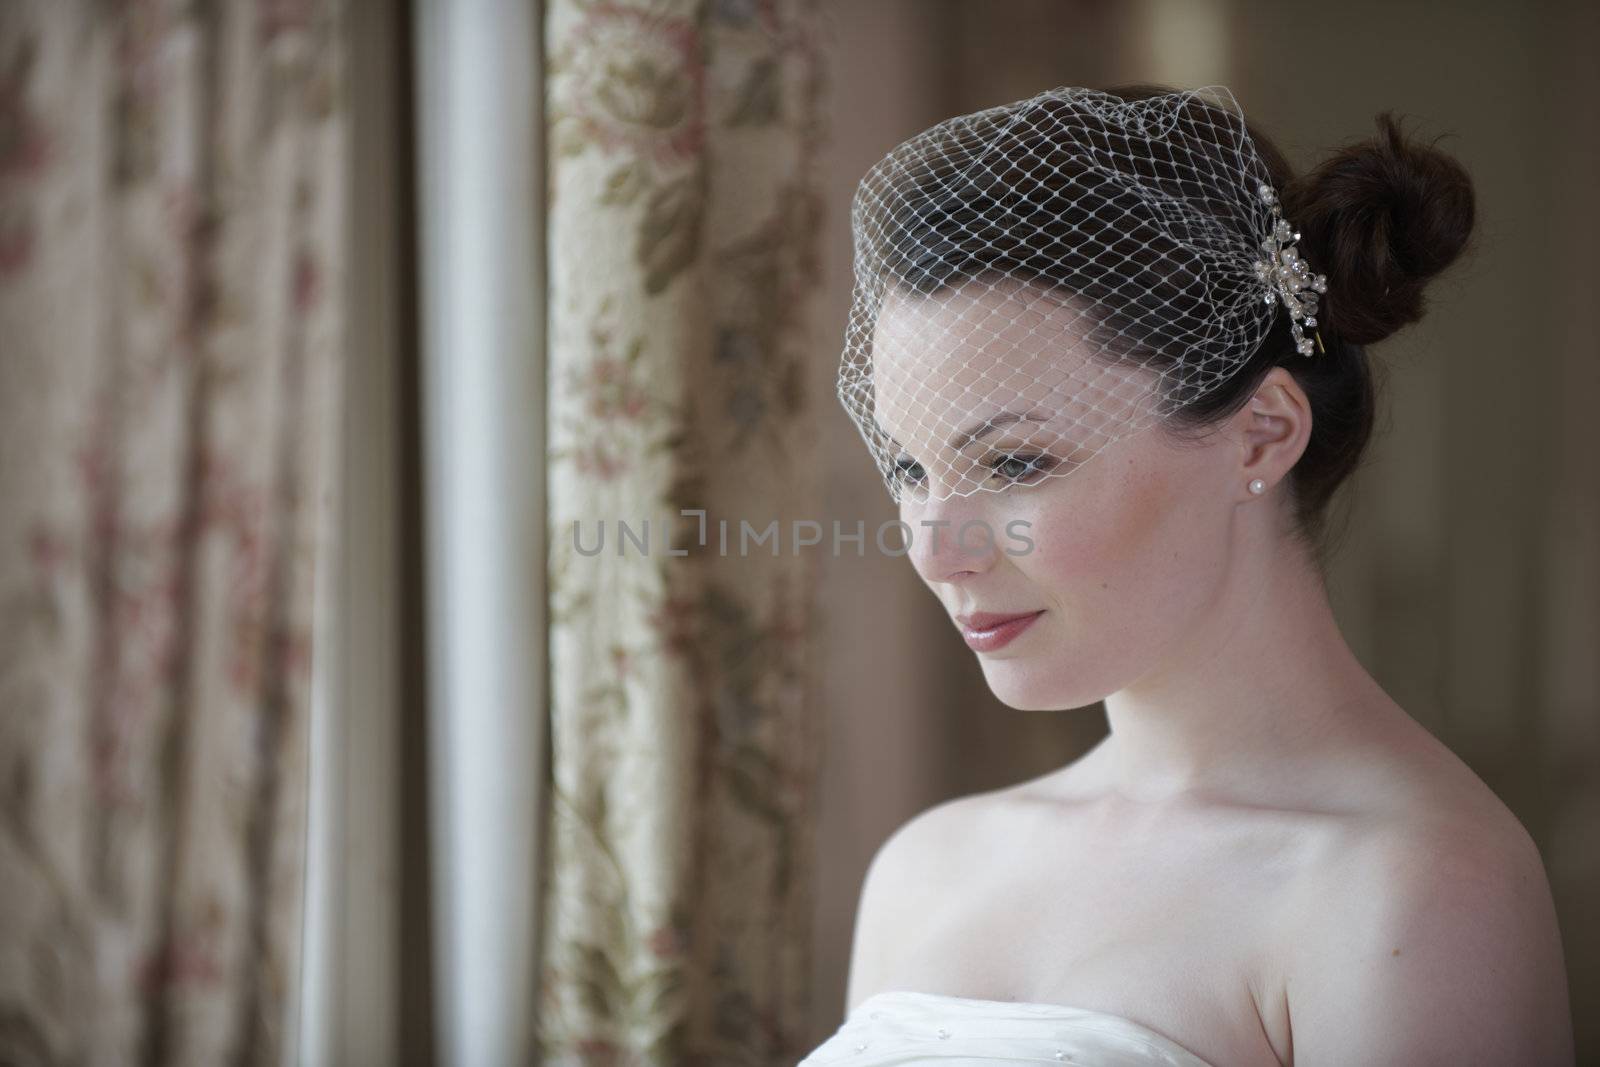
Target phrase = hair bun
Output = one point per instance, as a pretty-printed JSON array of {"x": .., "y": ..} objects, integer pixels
[{"x": 1380, "y": 218}]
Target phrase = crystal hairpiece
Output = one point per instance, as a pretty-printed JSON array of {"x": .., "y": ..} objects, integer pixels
[{"x": 1286, "y": 276}]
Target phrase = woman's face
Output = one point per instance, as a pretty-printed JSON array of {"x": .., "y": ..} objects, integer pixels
[{"x": 1129, "y": 550}]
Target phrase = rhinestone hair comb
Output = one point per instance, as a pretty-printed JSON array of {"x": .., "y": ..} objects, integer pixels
[{"x": 1287, "y": 277}]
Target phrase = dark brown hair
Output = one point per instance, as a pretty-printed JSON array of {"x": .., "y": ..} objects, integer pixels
[{"x": 1378, "y": 218}]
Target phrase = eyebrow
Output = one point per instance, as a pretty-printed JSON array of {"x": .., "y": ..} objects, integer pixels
[{"x": 989, "y": 425}]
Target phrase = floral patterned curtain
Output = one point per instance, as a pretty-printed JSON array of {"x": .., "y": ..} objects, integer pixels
[
  {"x": 171, "y": 255},
  {"x": 683, "y": 219}
]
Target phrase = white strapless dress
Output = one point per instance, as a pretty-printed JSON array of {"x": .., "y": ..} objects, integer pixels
[{"x": 901, "y": 1027}]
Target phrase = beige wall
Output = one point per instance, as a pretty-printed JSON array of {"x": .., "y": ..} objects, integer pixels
[{"x": 1470, "y": 582}]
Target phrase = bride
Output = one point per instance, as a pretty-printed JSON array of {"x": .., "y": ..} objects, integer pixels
[{"x": 1120, "y": 322}]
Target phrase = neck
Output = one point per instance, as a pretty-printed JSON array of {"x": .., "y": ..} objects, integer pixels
[{"x": 1263, "y": 683}]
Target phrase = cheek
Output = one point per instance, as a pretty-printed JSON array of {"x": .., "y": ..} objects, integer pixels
[{"x": 1110, "y": 541}]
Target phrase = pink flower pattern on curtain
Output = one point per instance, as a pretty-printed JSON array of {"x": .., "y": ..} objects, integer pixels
[
  {"x": 171, "y": 255},
  {"x": 683, "y": 138}
]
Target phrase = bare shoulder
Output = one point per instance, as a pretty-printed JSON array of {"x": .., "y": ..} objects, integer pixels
[
  {"x": 1426, "y": 933},
  {"x": 900, "y": 885}
]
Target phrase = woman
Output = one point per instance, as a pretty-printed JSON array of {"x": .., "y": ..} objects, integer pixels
[{"x": 1108, "y": 352}]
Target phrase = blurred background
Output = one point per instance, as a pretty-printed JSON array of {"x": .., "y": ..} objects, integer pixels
[{"x": 333, "y": 332}]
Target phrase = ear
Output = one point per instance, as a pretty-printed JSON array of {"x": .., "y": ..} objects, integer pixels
[{"x": 1272, "y": 429}]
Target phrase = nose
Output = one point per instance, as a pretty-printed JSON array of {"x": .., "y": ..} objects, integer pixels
[{"x": 952, "y": 539}]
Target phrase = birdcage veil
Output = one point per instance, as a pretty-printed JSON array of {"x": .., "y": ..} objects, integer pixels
[{"x": 1036, "y": 281}]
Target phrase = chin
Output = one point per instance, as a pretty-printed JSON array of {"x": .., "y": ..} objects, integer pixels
[{"x": 1017, "y": 687}]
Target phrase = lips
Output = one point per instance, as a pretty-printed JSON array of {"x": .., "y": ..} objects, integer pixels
[
  {"x": 988, "y": 620},
  {"x": 985, "y": 631}
]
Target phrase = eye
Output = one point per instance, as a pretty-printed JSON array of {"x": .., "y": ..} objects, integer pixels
[
  {"x": 1021, "y": 468},
  {"x": 908, "y": 470}
]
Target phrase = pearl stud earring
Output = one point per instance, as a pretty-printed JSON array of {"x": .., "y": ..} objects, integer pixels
[{"x": 1258, "y": 486}]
